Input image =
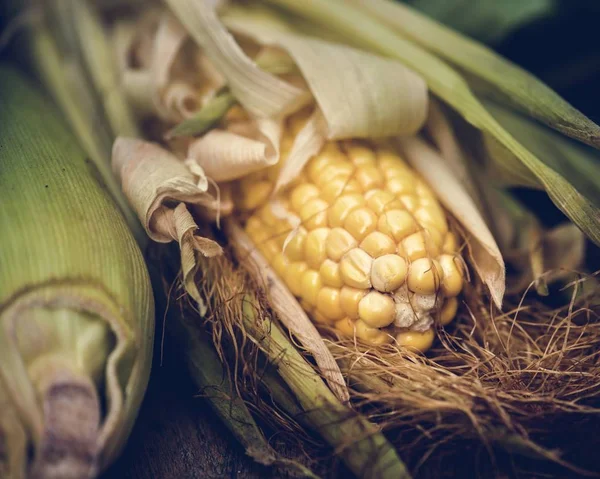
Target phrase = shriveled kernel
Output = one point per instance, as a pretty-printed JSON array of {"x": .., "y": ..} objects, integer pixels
[
  {"x": 355, "y": 268},
  {"x": 414, "y": 246},
  {"x": 410, "y": 202},
  {"x": 314, "y": 214},
  {"x": 256, "y": 194},
  {"x": 432, "y": 215},
  {"x": 377, "y": 244},
  {"x": 339, "y": 243},
  {"x": 452, "y": 278},
  {"x": 448, "y": 311},
  {"x": 415, "y": 340},
  {"x": 294, "y": 249},
  {"x": 377, "y": 310},
  {"x": 346, "y": 327},
  {"x": 342, "y": 207},
  {"x": 450, "y": 244},
  {"x": 369, "y": 177},
  {"x": 280, "y": 264},
  {"x": 315, "y": 251},
  {"x": 328, "y": 303},
  {"x": 338, "y": 187},
  {"x": 380, "y": 201},
  {"x": 388, "y": 272},
  {"x": 311, "y": 285},
  {"x": 349, "y": 300},
  {"x": 330, "y": 274},
  {"x": 360, "y": 222},
  {"x": 301, "y": 194},
  {"x": 293, "y": 277},
  {"x": 397, "y": 223},
  {"x": 372, "y": 336},
  {"x": 424, "y": 276}
]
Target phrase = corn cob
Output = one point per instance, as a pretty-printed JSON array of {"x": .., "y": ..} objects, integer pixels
[{"x": 360, "y": 240}]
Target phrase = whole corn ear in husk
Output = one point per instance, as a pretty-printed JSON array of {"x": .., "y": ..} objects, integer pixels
[{"x": 76, "y": 305}]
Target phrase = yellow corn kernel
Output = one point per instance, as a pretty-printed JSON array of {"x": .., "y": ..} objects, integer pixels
[
  {"x": 377, "y": 310},
  {"x": 377, "y": 244},
  {"x": 415, "y": 340},
  {"x": 414, "y": 246},
  {"x": 315, "y": 251},
  {"x": 372, "y": 336},
  {"x": 293, "y": 277},
  {"x": 254, "y": 226},
  {"x": 448, "y": 311},
  {"x": 369, "y": 177},
  {"x": 318, "y": 164},
  {"x": 267, "y": 216},
  {"x": 361, "y": 155},
  {"x": 360, "y": 222},
  {"x": 424, "y": 276},
  {"x": 301, "y": 194},
  {"x": 269, "y": 249},
  {"x": 340, "y": 170},
  {"x": 433, "y": 239},
  {"x": 314, "y": 214},
  {"x": 380, "y": 201},
  {"x": 342, "y": 207},
  {"x": 452, "y": 278},
  {"x": 339, "y": 243},
  {"x": 401, "y": 185},
  {"x": 320, "y": 317},
  {"x": 390, "y": 161},
  {"x": 410, "y": 202},
  {"x": 388, "y": 272},
  {"x": 280, "y": 264},
  {"x": 345, "y": 326},
  {"x": 328, "y": 303},
  {"x": 311, "y": 285},
  {"x": 330, "y": 274},
  {"x": 434, "y": 216},
  {"x": 294, "y": 249},
  {"x": 256, "y": 194},
  {"x": 338, "y": 187},
  {"x": 450, "y": 244},
  {"x": 349, "y": 300},
  {"x": 397, "y": 223},
  {"x": 355, "y": 268}
]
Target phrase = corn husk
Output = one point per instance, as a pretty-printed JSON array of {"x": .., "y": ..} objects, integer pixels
[{"x": 77, "y": 312}]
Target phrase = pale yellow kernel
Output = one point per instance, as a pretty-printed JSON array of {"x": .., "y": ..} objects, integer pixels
[
  {"x": 346, "y": 327},
  {"x": 377, "y": 310},
  {"x": 342, "y": 207},
  {"x": 335, "y": 171},
  {"x": 280, "y": 264},
  {"x": 311, "y": 285},
  {"x": 377, "y": 244},
  {"x": 369, "y": 177},
  {"x": 301, "y": 194},
  {"x": 380, "y": 201},
  {"x": 450, "y": 244},
  {"x": 448, "y": 311},
  {"x": 315, "y": 251},
  {"x": 414, "y": 246},
  {"x": 256, "y": 194},
  {"x": 355, "y": 268},
  {"x": 401, "y": 185},
  {"x": 318, "y": 164},
  {"x": 388, "y": 159},
  {"x": 388, "y": 272},
  {"x": 254, "y": 226},
  {"x": 328, "y": 303},
  {"x": 294, "y": 249},
  {"x": 330, "y": 274},
  {"x": 415, "y": 340},
  {"x": 267, "y": 216},
  {"x": 320, "y": 318},
  {"x": 269, "y": 249},
  {"x": 339, "y": 243},
  {"x": 424, "y": 276},
  {"x": 338, "y": 187},
  {"x": 433, "y": 239},
  {"x": 397, "y": 224},
  {"x": 410, "y": 202},
  {"x": 314, "y": 214},
  {"x": 371, "y": 336},
  {"x": 349, "y": 300},
  {"x": 452, "y": 278},
  {"x": 423, "y": 191},
  {"x": 432, "y": 215},
  {"x": 361, "y": 155},
  {"x": 360, "y": 222},
  {"x": 293, "y": 277}
]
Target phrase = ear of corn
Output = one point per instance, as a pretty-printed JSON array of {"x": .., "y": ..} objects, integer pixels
[
  {"x": 361, "y": 240},
  {"x": 76, "y": 306}
]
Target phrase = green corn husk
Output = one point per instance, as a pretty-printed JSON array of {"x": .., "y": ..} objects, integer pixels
[{"x": 76, "y": 305}]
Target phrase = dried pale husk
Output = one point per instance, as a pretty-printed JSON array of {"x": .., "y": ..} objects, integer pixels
[{"x": 76, "y": 305}]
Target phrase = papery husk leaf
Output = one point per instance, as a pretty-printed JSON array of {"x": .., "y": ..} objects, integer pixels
[
  {"x": 502, "y": 79},
  {"x": 453, "y": 89},
  {"x": 287, "y": 308},
  {"x": 76, "y": 305},
  {"x": 261, "y": 94},
  {"x": 160, "y": 187},
  {"x": 487, "y": 259}
]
